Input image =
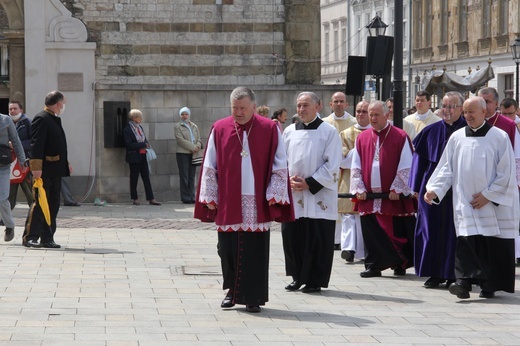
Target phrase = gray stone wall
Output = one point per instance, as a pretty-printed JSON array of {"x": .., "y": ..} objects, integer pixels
[
  {"x": 161, "y": 55},
  {"x": 160, "y": 107},
  {"x": 186, "y": 41}
]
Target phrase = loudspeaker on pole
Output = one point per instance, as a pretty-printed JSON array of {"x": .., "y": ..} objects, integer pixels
[
  {"x": 356, "y": 68},
  {"x": 380, "y": 51}
]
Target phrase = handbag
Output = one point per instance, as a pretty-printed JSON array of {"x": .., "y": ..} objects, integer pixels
[
  {"x": 197, "y": 158},
  {"x": 150, "y": 154},
  {"x": 6, "y": 155}
]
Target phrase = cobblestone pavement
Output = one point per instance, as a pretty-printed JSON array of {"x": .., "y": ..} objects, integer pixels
[{"x": 146, "y": 275}]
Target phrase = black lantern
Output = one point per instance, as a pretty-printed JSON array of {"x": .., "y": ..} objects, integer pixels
[
  {"x": 377, "y": 27},
  {"x": 515, "y": 50}
]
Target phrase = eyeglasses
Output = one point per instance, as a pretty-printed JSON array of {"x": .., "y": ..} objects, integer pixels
[
  {"x": 449, "y": 107},
  {"x": 506, "y": 114}
]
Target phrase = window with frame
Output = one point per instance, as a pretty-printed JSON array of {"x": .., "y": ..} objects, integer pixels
[
  {"x": 336, "y": 41},
  {"x": 358, "y": 35},
  {"x": 444, "y": 23},
  {"x": 509, "y": 85},
  {"x": 326, "y": 43},
  {"x": 503, "y": 17},
  {"x": 4, "y": 62},
  {"x": 463, "y": 20},
  {"x": 486, "y": 18},
  {"x": 405, "y": 29},
  {"x": 344, "y": 39},
  {"x": 428, "y": 26},
  {"x": 418, "y": 24}
]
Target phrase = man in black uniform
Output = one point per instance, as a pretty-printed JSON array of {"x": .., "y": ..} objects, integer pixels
[{"x": 49, "y": 162}]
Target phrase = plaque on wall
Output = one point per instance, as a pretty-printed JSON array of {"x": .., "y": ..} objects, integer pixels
[{"x": 70, "y": 81}]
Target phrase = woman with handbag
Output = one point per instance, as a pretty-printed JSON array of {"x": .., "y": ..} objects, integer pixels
[
  {"x": 136, "y": 145},
  {"x": 189, "y": 154},
  {"x": 9, "y": 140}
]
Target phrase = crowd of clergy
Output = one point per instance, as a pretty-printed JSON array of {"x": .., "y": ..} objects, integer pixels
[{"x": 439, "y": 195}]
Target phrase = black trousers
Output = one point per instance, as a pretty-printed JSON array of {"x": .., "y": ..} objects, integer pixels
[
  {"x": 136, "y": 169},
  {"x": 186, "y": 177},
  {"x": 486, "y": 261},
  {"x": 35, "y": 226},
  {"x": 244, "y": 257},
  {"x": 308, "y": 246}
]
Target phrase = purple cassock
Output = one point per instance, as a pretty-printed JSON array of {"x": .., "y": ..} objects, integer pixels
[{"x": 435, "y": 237}]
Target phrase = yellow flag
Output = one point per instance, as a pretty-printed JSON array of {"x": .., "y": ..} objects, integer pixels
[{"x": 42, "y": 199}]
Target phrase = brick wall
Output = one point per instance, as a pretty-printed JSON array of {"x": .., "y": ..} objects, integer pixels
[{"x": 186, "y": 41}]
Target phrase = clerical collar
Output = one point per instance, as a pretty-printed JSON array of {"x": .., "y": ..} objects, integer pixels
[
  {"x": 481, "y": 131},
  {"x": 378, "y": 132},
  {"x": 307, "y": 124},
  {"x": 247, "y": 125},
  {"x": 455, "y": 123},
  {"x": 343, "y": 117},
  {"x": 419, "y": 116},
  {"x": 495, "y": 114},
  {"x": 362, "y": 127},
  {"x": 478, "y": 128},
  {"x": 313, "y": 125}
]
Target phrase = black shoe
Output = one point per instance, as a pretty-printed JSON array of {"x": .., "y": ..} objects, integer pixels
[
  {"x": 293, "y": 286},
  {"x": 486, "y": 294},
  {"x": 153, "y": 202},
  {"x": 253, "y": 308},
  {"x": 399, "y": 271},
  {"x": 228, "y": 300},
  {"x": 31, "y": 243},
  {"x": 449, "y": 283},
  {"x": 8, "y": 234},
  {"x": 337, "y": 246},
  {"x": 311, "y": 289},
  {"x": 50, "y": 245},
  {"x": 348, "y": 255},
  {"x": 460, "y": 290},
  {"x": 72, "y": 204},
  {"x": 370, "y": 273},
  {"x": 433, "y": 282}
]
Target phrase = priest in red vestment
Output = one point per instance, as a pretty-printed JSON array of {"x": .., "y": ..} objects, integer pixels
[
  {"x": 381, "y": 164},
  {"x": 244, "y": 185}
]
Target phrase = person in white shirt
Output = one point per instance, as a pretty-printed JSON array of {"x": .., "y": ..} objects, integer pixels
[
  {"x": 424, "y": 116},
  {"x": 478, "y": 164}
]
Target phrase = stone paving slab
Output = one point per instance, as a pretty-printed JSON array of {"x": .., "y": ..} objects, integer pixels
[{"x": 117, "y": 281}]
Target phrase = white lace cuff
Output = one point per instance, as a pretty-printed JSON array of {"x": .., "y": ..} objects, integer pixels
[
  {"x": 356, "y": 181},
  {"x": 400, "y": 183},
  {"x": 277, "y": 189},
  {"x": 208, "y": 186}
]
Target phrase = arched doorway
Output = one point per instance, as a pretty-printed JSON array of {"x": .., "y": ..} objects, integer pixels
[{"x": 12, "y": 57}]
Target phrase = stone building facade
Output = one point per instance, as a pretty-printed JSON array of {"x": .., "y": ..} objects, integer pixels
[
  {"x": 157, "y": 56},
  {"x": 462, "y": 35}
]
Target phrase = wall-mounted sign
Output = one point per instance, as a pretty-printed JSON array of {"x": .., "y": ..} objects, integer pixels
[{"x": 70, "y": 81}]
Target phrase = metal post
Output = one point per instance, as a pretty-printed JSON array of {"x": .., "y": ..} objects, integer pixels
[
  {"x": 398, "y": 64},
  {"x": 517, "y": 99}
]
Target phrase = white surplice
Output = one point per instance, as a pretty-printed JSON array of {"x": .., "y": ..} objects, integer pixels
[{"x": 479, "y": 164}]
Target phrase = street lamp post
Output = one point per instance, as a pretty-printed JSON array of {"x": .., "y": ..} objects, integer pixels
[
  {"x": 398, "y": 90},
  {"x": 515, "y": 50},
  {"x": 376, "y": 28}
]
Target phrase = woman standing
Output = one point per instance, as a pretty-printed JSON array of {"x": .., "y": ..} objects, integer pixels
[
  {"x": 136, "y": 144},
  {"x": 188, "y": 143}
]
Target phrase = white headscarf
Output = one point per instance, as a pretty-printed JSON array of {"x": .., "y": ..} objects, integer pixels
[
  {"x": 185, "y": 109},
  {"x": 186, "y": 122}
]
